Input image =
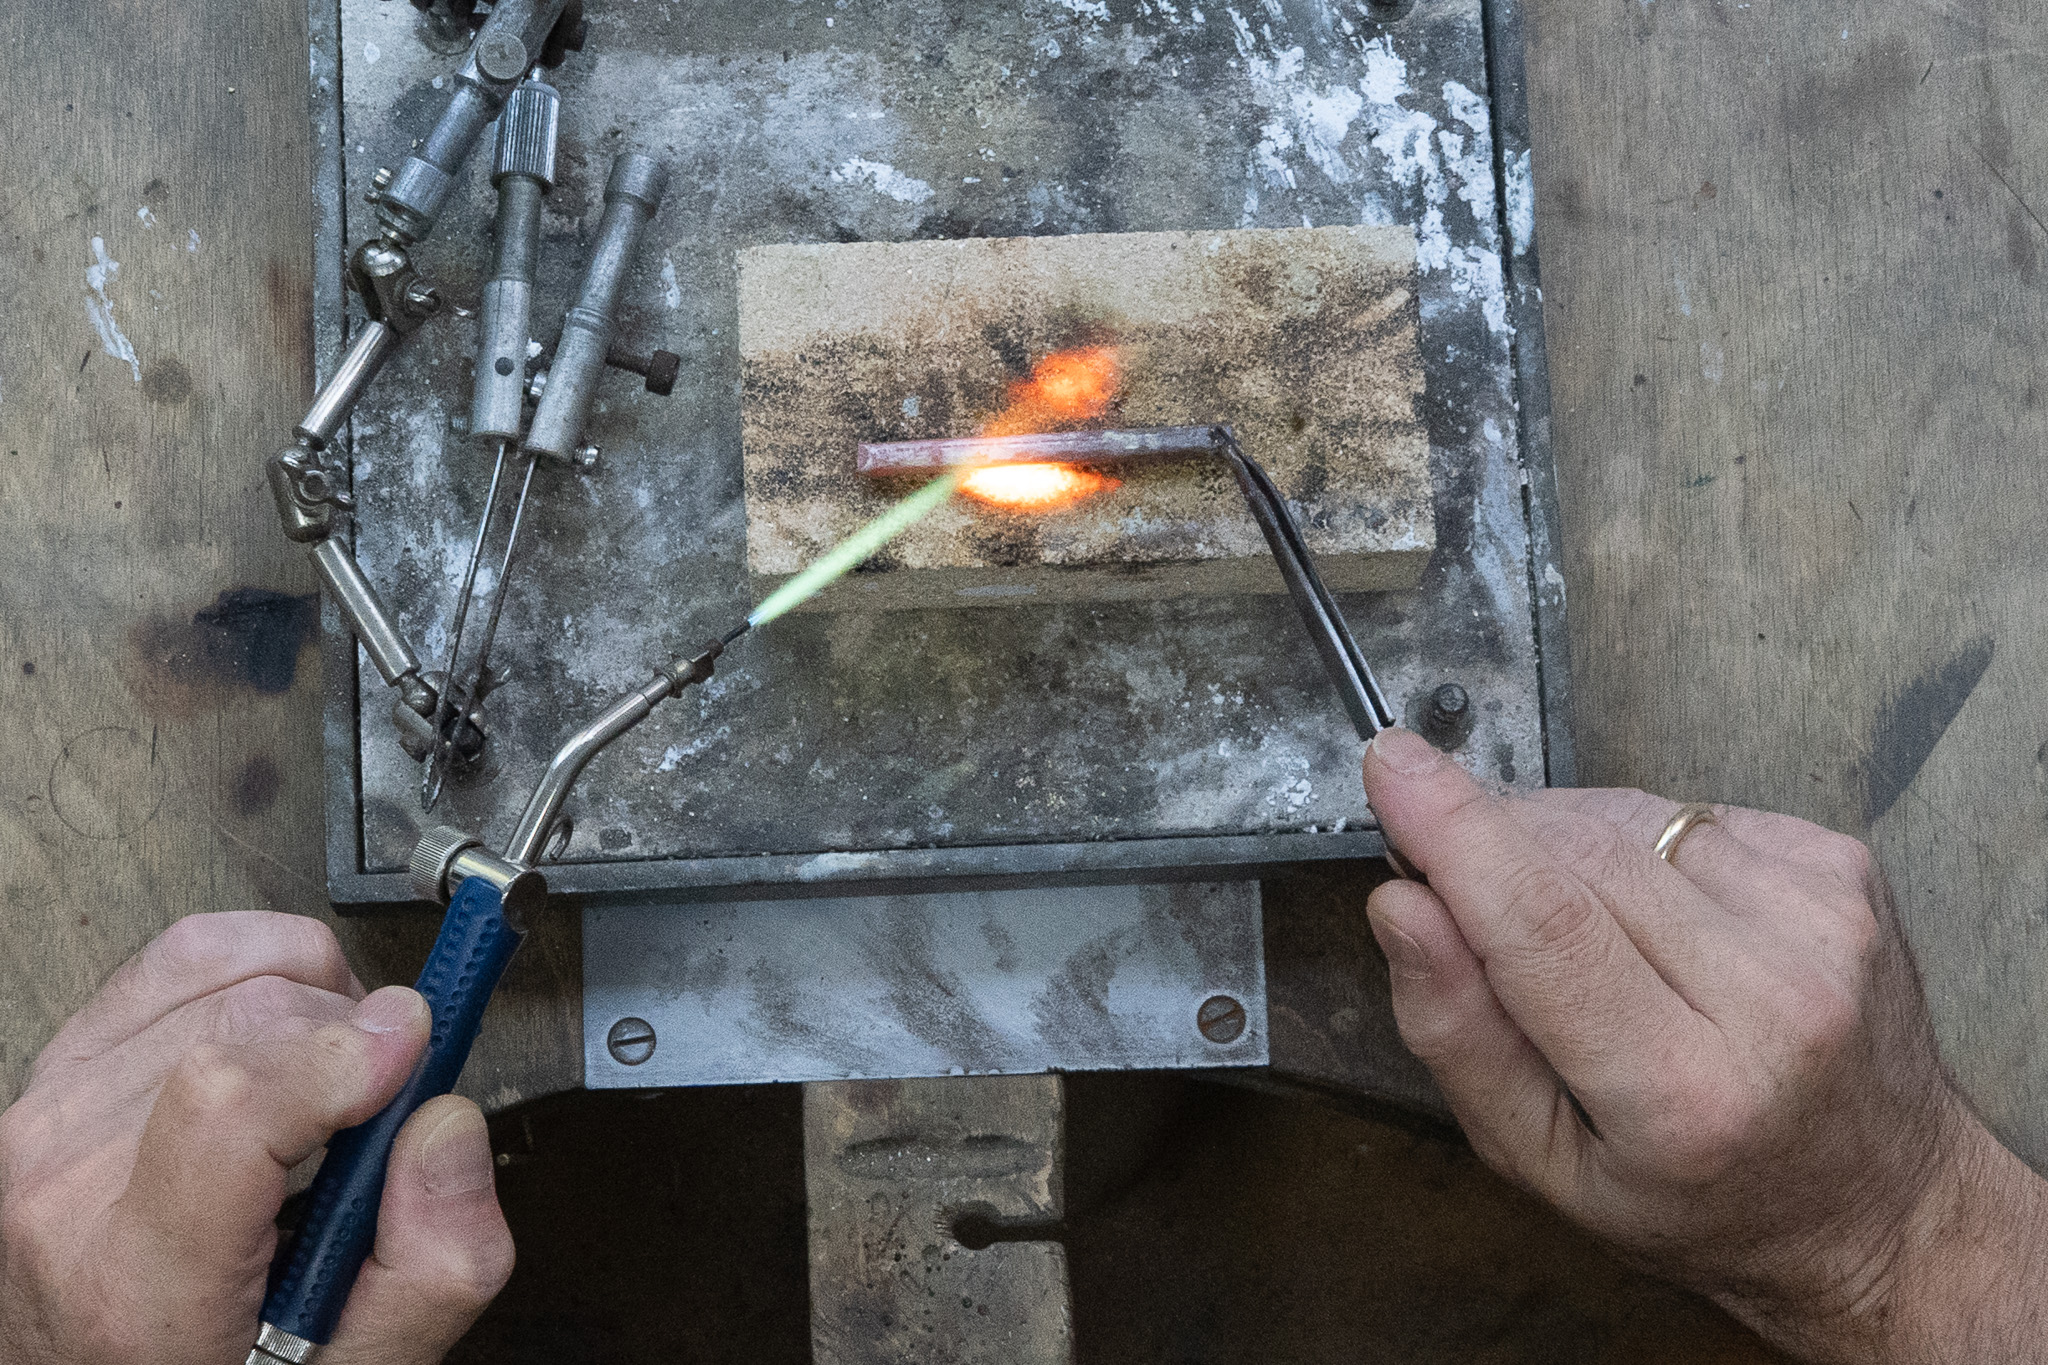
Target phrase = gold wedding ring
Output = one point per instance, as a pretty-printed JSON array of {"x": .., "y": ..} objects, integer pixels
[{"x": 1680, "y": 825}]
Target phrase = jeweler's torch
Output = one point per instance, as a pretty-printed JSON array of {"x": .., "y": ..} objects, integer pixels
[{"x": 490, "y": 898}]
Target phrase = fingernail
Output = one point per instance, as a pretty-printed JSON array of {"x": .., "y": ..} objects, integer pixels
[
  {"x": 388, "y": 1009},
  {"x": 1404, "y": 955},
  {"x": 456, "y": 1157},
  {"x": 1404, "y": 751}
]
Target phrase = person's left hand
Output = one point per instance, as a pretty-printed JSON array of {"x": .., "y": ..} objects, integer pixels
[{"x": 142, "y": 1170}]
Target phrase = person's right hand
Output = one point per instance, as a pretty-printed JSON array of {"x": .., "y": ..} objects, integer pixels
[
  {"x": 1723, "y": 1065},
  {"x": 142, "y": 1169}
]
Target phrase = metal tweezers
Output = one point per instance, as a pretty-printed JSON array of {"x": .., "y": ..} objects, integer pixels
[{"x": 1346, "y": 664}]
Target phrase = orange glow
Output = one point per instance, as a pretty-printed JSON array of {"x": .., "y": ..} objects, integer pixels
[
  {"x": 1034, "y": 487},
  {"x": 1064, "y": 388}
]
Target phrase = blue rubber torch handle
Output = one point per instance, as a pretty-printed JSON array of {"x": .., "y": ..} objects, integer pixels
[{"x": 309, "y": 1292}]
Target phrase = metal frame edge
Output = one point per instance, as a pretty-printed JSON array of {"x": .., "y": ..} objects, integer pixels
[{"x": 1508, "y": 82}]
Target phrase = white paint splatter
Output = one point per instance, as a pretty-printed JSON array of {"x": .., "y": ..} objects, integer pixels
[
  {"x": 98, "y": 276},
  {"x": 671, "y": 287},
  {"x": 148, "y": 218},
  {"x": 885, "y": 178},
  {"x": 371, "y": 52},
  {"x": 1521, "y": 204},
  {"x": 1713, "y": 362},
  {"x": 192, "y": 240},
  {"x": 1684, "y": 298},
  {"x": 1088, "y": 9},
  {"x": 910, "y": 406}
]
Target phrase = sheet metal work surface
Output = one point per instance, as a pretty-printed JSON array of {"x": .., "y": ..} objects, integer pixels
[
  {"x": 928, "y": 732},
  {"x": 1104, "y": 978}
]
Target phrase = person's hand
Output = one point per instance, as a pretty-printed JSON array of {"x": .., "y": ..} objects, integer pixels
[
  {"x": 142, "y": 1169},
  {"x": 1723, "y": 1065}
]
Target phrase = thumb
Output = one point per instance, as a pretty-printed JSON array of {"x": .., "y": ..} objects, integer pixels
[{"x": 443, "y": 1250}]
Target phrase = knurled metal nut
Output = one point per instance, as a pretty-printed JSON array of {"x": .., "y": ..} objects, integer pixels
[{"x": 431, "y": 856}]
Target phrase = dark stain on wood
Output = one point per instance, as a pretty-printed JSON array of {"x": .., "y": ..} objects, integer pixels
[
  {"x": 166, "y": 381},
  {"x": 1913, "y": 721},
  {"x": 249, "y": 638},
  {"x": 256, "y": 785}
]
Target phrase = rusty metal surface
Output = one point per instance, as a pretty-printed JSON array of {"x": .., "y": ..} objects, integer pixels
[
  {"x": 891, "y": 1168},
  {"x": 1060, "y": 979},
  {"x": 931, "y": 735}
]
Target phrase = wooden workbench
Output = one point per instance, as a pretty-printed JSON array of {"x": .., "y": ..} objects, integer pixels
[{"x": 1793, "y": 311}]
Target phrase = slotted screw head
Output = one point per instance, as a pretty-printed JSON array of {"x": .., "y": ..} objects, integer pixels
[
  {"x": 1221, "y": 1019},
  {"x": 631, "y": 1041}
]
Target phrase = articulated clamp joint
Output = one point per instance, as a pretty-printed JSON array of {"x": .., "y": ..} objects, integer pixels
[
  {"x": 308, "y": 494},
  {"x": 393, "y": 292}
]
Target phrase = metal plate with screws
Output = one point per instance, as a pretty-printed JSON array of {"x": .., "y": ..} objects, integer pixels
[
  {"x": 922, "y": 747},
  {"x": 1066, "y": 979}
]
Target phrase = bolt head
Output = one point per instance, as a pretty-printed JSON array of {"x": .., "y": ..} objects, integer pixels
[
  {"x": 381, "y": 178},
  {"x": 1221, "y": 1019},
  {"x": 584, "y": 458},
  {"x": 1450, "y": 701},
  {"x": 662, "y": 369},
  {"x": 502, "y": 57},
  {"x": 631, "y": 1041}
]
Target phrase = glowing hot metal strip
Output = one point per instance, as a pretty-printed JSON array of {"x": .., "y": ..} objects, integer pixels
[
  {"x": 842, "y": 557},
  {"x": 878, "y": 459}
]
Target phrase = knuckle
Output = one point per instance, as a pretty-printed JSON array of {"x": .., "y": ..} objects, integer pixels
[
  {"x": 36, "y": 1223},
  {"x": 468, "y": 1273},
  {"x": 210, "y": 1080},
  {"x": 1556, "y": 914},
  {"x": 194, "y": 942},
  {"x": 1848, "y": 859},
  {"x": 256, "y": 1006},
  {"x": 1704, "y": 1133}
]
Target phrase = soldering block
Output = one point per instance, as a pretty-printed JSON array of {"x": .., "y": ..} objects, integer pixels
[{"x": 1304, "y": 339}]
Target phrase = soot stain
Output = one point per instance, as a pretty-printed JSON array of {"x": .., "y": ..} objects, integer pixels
[
  {"x": 1909, "y": 726},
  {"x": 249, "y": 637},
  {"x": 257, "y": 785},
  {"x": 166, "y": 381}
]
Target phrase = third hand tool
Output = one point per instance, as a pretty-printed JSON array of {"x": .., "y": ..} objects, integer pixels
[{"x": 566, "y": 390}]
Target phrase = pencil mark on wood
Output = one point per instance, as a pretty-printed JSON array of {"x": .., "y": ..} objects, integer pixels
[{"x": 102, "y": 784}]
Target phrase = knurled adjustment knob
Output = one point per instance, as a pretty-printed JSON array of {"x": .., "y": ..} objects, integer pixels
[
  {"x": 527, "y": 132},
  {"x": 431, "y": 857}
]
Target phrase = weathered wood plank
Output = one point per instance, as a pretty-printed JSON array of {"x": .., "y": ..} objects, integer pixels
[
  {"x": 1793, "y": 298},
  {"x": 159, "y": 698}
]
